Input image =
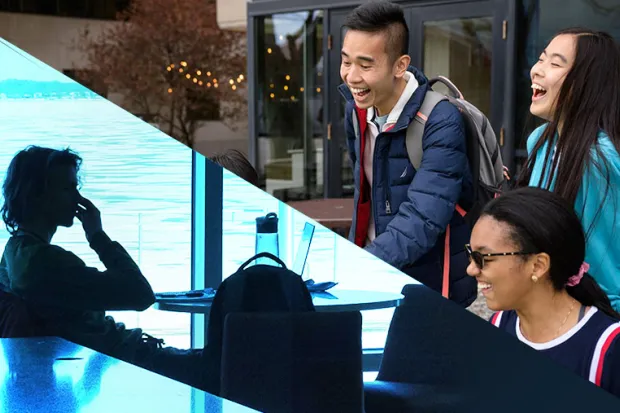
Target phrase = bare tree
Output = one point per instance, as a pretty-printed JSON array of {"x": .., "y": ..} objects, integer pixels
[{"x": 172, "y": 64}]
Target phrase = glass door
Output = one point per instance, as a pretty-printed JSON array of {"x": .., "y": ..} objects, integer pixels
[
  {"x": 339, "y": 182},
  {"x": 289, "y": 112},
  {"x": 467, "y": 42}
]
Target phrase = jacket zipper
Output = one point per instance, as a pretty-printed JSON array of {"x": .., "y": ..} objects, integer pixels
[{"x": 388, "y": 207}]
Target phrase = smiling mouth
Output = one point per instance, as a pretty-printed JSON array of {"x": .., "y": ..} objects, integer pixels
[
  {"x": 359, "y": 92},
  {"x": 539, "y": 92},
  {"x": 484, "y": 287}
]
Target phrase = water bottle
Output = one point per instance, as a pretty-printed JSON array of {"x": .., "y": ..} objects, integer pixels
[{"x": 267, "y": 238}]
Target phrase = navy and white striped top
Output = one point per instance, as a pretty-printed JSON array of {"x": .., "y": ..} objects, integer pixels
[{"x": 591, "y": 348}]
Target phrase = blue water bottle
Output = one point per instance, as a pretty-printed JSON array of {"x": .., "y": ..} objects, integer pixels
[{"x": 267, "y": 238}]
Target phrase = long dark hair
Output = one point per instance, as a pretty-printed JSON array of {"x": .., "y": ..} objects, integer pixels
[
  {"x": 26, "y": 179},
  {"x": 588, "y": 102},
  {"x": 544, "y": 222}
]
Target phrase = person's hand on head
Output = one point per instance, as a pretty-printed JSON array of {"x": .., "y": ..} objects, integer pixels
[{"x": 90, "y": 217}]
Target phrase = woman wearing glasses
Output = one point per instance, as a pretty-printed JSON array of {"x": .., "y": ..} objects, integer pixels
[{"x": 527, "y": 253}]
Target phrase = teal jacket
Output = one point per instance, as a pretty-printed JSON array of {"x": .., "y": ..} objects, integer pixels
[
  {"x": 599, "y": 212},
  {"x": 72, "y": 298}
]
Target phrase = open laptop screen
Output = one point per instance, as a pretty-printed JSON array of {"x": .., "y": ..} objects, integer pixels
[{"x": 303, "y": 249}]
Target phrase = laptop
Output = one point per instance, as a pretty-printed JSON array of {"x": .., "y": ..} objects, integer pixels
[
  {"x": 303, "y": 249},
  {"x": 207, "y": 294}
]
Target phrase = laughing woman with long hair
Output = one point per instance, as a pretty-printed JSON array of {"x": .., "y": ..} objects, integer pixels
[{"x": 576, "y": 89}]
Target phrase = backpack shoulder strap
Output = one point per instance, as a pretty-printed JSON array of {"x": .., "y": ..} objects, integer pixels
[{"x": 415, "y": 131}]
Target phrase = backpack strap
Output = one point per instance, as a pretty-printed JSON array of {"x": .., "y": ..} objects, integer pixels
[
  {"x": 415, "y": 131},
  {"x": 413, "y": 140}
]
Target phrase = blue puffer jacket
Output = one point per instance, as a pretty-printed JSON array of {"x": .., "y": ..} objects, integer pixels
[{"x": 412, "y": 209}]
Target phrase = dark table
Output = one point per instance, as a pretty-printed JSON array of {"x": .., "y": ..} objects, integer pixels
[
  {"x": 331, "y": 301},
  {"x": 53, "y": 375}
]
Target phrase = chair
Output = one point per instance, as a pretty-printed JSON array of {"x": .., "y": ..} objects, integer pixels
[
  {"x": 440, "y": 358},
  {"x": 423, "y": 368},
  {"x": 16, "y": 318},
  {"x": 294, "y": 363}
]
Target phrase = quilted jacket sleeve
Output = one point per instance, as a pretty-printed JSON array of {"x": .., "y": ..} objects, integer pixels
[{"x": 433, "y": 193}]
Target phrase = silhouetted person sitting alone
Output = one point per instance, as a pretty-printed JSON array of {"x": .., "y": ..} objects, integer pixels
[{"x": 40, "y": 195}]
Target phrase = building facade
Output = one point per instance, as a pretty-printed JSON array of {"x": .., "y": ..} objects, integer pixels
[{"x": 487, "y": 47}]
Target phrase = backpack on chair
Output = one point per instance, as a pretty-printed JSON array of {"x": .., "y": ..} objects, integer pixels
[
  {"x": 489, "y": 175},
  {"x": 259, "y": 288}
]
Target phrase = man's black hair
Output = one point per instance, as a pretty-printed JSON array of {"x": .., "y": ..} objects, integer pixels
[{"x": 382, "y": 16}]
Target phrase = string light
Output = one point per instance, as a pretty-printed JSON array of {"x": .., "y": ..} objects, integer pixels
[
  {"x": 269, "y": 50},
  {"x": 301, "y": 89},
  {"x": 272, "y": 85},
  {"x": 208, "y": 73},
  {"x": 180, "y": 70},
  {"x": 318, "y": 90},
  {"x": 198, "y": 72},
  {"x": 241, "y": 77},
  {"x": 215, "y": 85},
  {"x": 292, "y": 97},
  {"x": 200, "y": 83},
  {"x": 195, "y": 80},
  {"x": 231, "y": 81},
  {"x": 169, "y": 69},
  {"x": 273, "y": 95},
  {"x": 184, "y": 64},
  {"x": 169, "y": 90},
  {"x": 285, "y": 87},
  {"x": 187, "y": 76},
  {"x": 234, "y": 87},
  {"x": 172, "y": 65},
  {"x": 288, "y": 77}
]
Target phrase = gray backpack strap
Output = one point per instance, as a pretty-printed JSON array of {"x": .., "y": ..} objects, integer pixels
[
  {"x": 415, "y": 131},
  {"x": 356, "y": 126}
]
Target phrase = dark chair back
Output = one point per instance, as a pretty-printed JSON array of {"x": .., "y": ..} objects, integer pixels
[
  {"x": 420, "y": 346},
  {"x": 17, "y": 319},
  {"x": 440, "y": 358},
  {"x": 294, "y": 363}
]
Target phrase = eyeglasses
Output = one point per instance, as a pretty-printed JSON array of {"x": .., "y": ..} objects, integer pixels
[{"x": 478, "y": 257}]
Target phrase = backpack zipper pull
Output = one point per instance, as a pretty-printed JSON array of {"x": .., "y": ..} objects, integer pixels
[{"x": 388, "y": 209}]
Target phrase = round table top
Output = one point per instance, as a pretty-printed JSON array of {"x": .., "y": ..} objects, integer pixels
[{"x": 330, "y": 301}]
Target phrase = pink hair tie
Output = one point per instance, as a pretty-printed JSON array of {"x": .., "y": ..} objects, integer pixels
[{"x": 576, "y": 279}]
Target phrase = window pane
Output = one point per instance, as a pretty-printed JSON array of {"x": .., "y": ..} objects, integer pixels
[
  {"x": 289, "y": 108},
  {"x": 138, "y": 177},
  {"x": 243, "y": 203},
  {"x": 460, "y": 49}
]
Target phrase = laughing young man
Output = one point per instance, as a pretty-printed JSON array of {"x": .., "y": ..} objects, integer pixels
[{"x": 400, "y": 213}]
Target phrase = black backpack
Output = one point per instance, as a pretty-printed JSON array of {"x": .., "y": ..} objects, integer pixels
[{"x": 259, "y": 288}]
